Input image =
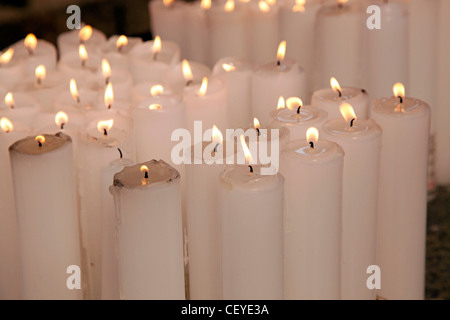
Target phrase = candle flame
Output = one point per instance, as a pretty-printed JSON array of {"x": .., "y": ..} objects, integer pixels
[
  {"x": 6, "y": 125},
  {"x": 205, "y": 4},
  {"x": 271, "y": 2},
  {"x": 203, "y": 88},
  {"x": 6, "y": 56},
  {"x": 61, "y": 118},
  {"x": 263, "y": 6},
  {"x": 216, "y": 135},
  {"x": 82, "y": 52},
  {"x": 109, "y": 95},
  {"x": 156, "y": 90},
  {"x": 247, "y": 153},
  {"x": 157, "y": 45},
  {"x": 144, "y": 168},
  {"x": 294, "y": 103},
  {"x": 40, "y": 139},
  {"x": 281, "y": 50},
  {"x": 312, "y": 135},
  {"x": 9, "y": 100},
  {"x": 41, "y": 73},
  {"x": 121, "y": 42},
  {"x": 347, "y": 112},
  {"x": 335, "y": 85},
  {"x": 228, "y": 67},
  {"x": 187, "y": 72},
  {"x": 167, "y": 3},
  {"x": 399, "y": 90},
  {"x": 341, "y": 2},
  {"x": 85, "y": 33},
  {"x": 155, "y": 106},
  {"x": 106, "y": 69},
  {"x": 281, "y": 103},
  {"x": 256, "y": 123},
  {"x": 30, "y": 42},
  {"x": 229, "y": 6},
  {"x": 74, "y": 90},
  {"x": 105, "y": 125}
]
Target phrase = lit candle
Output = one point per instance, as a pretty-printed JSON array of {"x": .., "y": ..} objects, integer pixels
[
  {"x": 148, "y": 208},
  {"x": 282, "y": 77},
  {"x": 48, "y": 234},
  {"x": 402, "y": 194},
  {"x": 116, "y": 50},
  {"x": 80, "y": 64},
  {"x": 21, "y": 107},
  {"x": 197, "y": 31},
  {"x": 91, "y": 38},
  {"x": 185, "y": 74},
  {"x": 11, "y": 72},
  {"x": 251, "y": 209},
  {"x": 313, "y": 170},
  {"x": 145, "y": 90},
  {"x": 361, "y": 142}
]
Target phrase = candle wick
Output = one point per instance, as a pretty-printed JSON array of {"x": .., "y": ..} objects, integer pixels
[
  {"x": 298, "y": 109},
  {"x": 251, "y": 168},
  {"x": 78, "y": 99},
  {"x": 155, "y": 55},
  {"x": 30, "y": 51},
  {"x": 39, "y": 81},
  {"x": 188, "y": 83},
  {"x": 40, "y": 144},
  {"x": 351, "y": 122},
  {"x": 363, "y": 91},
  {"x": 120, "y": 152},
  {"x": 62, "y": 126},
  {"x": 109, "y": 106},
  {"x": 119, "y": 48},
  {"x": 340, "y": 93},
  {"x": 11, "y": 106},
  {"x": 105, "y": 132},
  {"x": 311, "y": 144},
  {"x": 278, "y": 63},
  {"x": 215, "y": 148},
  {"x": 401, "y": 99},
  {"x": 83, "y": 63},
  {"x": 146, "y": 175},
  {"x": 107, "y": 80},
  {"x": 257, "y": 130}
]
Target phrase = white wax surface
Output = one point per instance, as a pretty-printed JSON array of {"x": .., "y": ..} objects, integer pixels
[
  {"x": 176, "y": 81},
  {"x": 11, "y": 74},
  {"x": 141, "y": 91},
  {"x": 44, "y": 53},
  {"x": 197, "y": 33},
  {"x": 119, "y": 58},
  {"x": 68, "y": 42},
  {"x": 70, "y": 65},
  {"x": 25, "y": 108}
]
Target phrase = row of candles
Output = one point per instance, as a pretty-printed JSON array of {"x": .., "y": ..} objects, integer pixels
[{"x": 244, "y": 257}]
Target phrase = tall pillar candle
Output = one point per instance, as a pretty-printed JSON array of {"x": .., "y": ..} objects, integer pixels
[
  {"x": 148, "y": 208},
  {"x": 197, "y": 31},
  {"x": 116, "y": 50}
]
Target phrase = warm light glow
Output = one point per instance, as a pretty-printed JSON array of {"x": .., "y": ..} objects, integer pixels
[
  {"x": 6, "y": 56},
  {"x": 399, "y": 90},
  {"x": 281, "y": 103},
  {"x": 6, "y": 125},
  {"x": 106, "y": 68},
  {"x": 229, "y": 6},
  {"x": 40, "y": 139},
  {"x": 167, "y": 3},
  {"x": 30, "y": 42},
  {"x": 271, "y": 2},
  {"x": 121, "y": 42},
  {"x": 228, "y": 67},
  {"x": 281, "y": 51},
  {"x": 216, "y": 135},
  {"x": 109, "y": 95},
  {"x": 40, "y": 73},
  {"x": 205, "y": 4},
  {"x": 61, "y": 119},
  {"x": 335, "y": 85},
  {"x": 299, "y": 6},
  {"x": 144, "y": 168},
  {"x": 105, "y": 125},
  {"x": 294, "y": 103},
  {"x": 85, "y": 33},
  {"x": 263, "y": 6},
  {"x": 9, "y": 100},
  {"x": 341, "y": 2},
  {"x": 248, "y": 155},
  {"x": 155, "y": 106},
  {"x": 202, "y": 91},
  {"x": 83, "y": 53},
  {"x": 256, "y": 123},
  {"x": 74, "y": 90},
  {"x": 312, "y": 135},
  {"x": 156, "y": 90},
  {"x": 187, "y": 72},
  {"x": 347, "y": 112},
  {"x": 157, "y": 45}
]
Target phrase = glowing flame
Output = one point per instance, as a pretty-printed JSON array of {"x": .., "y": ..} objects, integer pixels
[
  {"x": 294, "y": 103},
  {"x": 105, "y": 125},
  {"x": 229, "y": 6},
  {"x": 216, "y": 135},
  {"x": 109, "y": 95},
  {"x": 157, "y": 45},
  {"x": 82, "y": 52},
  {"x": 263, "y": 6},
  {"x": 155, "y": 106},
  {"x": 106, "y": 68},
  {"x": 6, "y": 56},
  {"x": 335, "y": 85},
  {"x": 247, "y": 153},
  {"x": 271, "y": 2},
  {"x": 299, "y": 6},
  {"x": 281, "y": 103},
  {"x": 40, "y": 139},
  {"x": 74, "y": 90},
  {"x": 167, "y": 3},
  {"x": 312, "y": 135},
  {"x": 187, "y": 72},
  {"x": 399, "y": 90},
  {"x": 85, "y": 33},
  {"x": 228, "y": 67},
  {"x": 281, "y": 51},
  {"x": 6, "y": 125},
  {"x": 256, "y": 123},
  {"x": 341, "y": 2},
  {"x": 9, "y": 100},
  {"x": 205, "y": 4},
  {"x": 144, "y": 168},
  {"x": 347, "y": 112},
  {"x": 40, "y": 73},
  {"x": 203, "y": 88},
  {"x": 61, "y": 119},
  {"x": 30, "y": 42},
  {"x": 121, "y": 42},
  {"x": 156, "y": 90}
]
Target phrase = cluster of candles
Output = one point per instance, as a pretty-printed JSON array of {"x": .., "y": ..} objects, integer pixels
[{"x": 80, "y": 188}]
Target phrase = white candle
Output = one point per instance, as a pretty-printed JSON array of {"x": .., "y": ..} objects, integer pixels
[
  {"x": 386, "y": 49},
  {"x": 251, "y": 209},
  {"x": 330, "y": 99},
  {"x": 283, "y": 77},
  {"x": 20, "y": 107},
  {"x": 10, "y": 272},
  {"x": 116, "y": 50},
  {"x": 144, "y": 90},
  {"x": 361, "y": 142},
  {"x": 80, "y": 65},
  {"x": 197, "y": 31},
  {"x": 339, "y": 28},
  {"x": 185, "y": 74},
  {"x": 312, "y": 224},
  {"x": 148, "y": 209},
  {"x": 402, "y": 195},
  {"x": 236, "y": 73},
  {"x": 11, "y": 71},
  {"x": 93, "y": 39},
  {"x": 48, "y": 234}
]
